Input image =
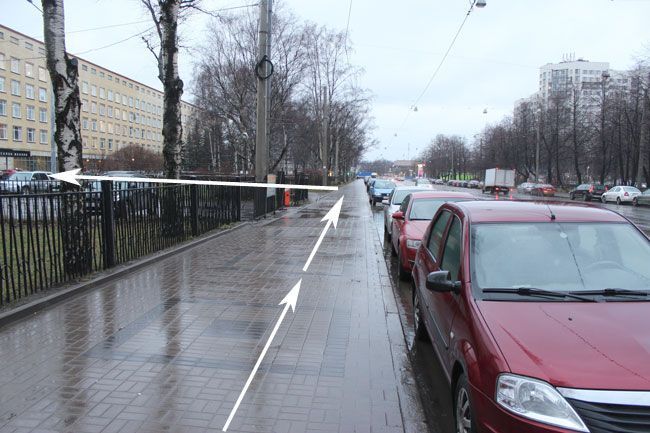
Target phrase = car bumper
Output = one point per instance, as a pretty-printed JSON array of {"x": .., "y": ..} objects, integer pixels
[
  {"x": 409, "y": 259},
  {"x": 492, "y": 418}
]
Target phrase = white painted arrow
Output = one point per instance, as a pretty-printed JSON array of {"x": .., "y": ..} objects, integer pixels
[
  {"x": 332, "y": 217},
  {"x": 73, "y": 176},
  {"x": 288, "y": 301}
]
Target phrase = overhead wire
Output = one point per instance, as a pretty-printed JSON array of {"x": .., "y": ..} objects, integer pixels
[{"x": 413, "y": 107}]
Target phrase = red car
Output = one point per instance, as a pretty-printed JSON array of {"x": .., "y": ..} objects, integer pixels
[
  {"x": 539, "y": 316},
  {"x": 412, "y": 219}
]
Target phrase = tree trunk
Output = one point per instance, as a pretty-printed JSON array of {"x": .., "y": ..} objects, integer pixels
[{"x": 64, "y": 74}]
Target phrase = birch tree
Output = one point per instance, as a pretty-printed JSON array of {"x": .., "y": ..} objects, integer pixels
[
  {"x": 165, "y": 15},
  {"x": 64, "y": 75}
]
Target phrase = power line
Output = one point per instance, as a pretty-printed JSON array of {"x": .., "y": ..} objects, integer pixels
[
  {"x": 115, "y": 43},
  {"x": 347, "y": 29},
  {"x": 108, "y": 26},
  {"x": 413, "y": 107}
]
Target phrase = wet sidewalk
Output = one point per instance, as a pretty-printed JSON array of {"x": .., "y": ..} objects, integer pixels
[{"x": 169, "y": 347}]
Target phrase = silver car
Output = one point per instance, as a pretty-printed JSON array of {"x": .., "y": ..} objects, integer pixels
[
  {"x": 26, "y": 182},
  {"x": 391, "y": 205}
]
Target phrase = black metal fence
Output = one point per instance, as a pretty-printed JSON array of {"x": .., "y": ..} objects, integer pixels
[{"x": 121, "y": 222}]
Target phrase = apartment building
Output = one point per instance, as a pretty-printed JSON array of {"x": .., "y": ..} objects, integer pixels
[{"x": 116, "y": 110}]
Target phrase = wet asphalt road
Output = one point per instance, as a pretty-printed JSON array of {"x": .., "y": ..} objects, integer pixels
[{"x": 434, "y": 390}]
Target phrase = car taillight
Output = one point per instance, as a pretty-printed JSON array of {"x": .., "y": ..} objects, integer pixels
[{"x": 626, "y": 194}]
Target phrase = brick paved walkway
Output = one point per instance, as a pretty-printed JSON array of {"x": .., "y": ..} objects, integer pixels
[{"x": 168, "y": 348}]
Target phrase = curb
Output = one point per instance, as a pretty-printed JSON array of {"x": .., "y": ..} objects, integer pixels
[{"x": 61, "y": 295}]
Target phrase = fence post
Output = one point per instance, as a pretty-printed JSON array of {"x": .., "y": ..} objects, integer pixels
[
  {"x": 108, "y": 218},
  {"x": 194, "y": 209}
]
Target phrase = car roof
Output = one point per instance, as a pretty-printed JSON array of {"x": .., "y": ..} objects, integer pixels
[
  {"x": 441, "y": 194},
  {"x": 529, "y": 211},
  {"x": 409, "y": 187}
]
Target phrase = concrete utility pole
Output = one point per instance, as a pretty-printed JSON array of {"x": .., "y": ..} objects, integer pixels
[
  {"x": 325, "y": 134},
  {"x": 263, "y": 71}
]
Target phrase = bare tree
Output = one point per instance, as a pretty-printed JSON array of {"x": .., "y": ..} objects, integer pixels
[
  {"x": 64, "y": 74},
  {"x": 165, "y": 15}
]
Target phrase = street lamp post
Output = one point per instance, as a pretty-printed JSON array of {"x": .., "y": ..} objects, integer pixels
[{"x": 603, "y": 146}]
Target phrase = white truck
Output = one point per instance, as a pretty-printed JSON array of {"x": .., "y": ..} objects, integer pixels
[{"x": 498, "y": 180}]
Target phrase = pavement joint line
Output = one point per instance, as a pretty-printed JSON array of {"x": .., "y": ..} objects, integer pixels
[{"x": 66, "y": 292}]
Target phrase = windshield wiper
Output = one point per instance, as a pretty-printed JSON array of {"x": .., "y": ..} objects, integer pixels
[
  {"x": 611, "y": 292},
  {"x": 531, "y": 291}
]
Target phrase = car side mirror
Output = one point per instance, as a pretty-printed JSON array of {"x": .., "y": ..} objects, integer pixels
[
  {"x": 440, "y": 281},
  {"x": 399, "y": 215}
]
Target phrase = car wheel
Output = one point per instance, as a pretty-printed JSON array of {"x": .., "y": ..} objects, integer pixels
[
  {"x": 418, "y": 322},
  {"x": 635, "y": 202},
  {"x": 386, "y": 234},
  {"x": 463, "y": 410},
  {"x": 402, "y": 274},
  {"x": 572, "y": 196},
  {"x": 618, "y": 200},
  {"x": 603, "y": 198}
]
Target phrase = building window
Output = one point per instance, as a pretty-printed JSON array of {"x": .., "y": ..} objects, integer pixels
[
  {"x": 29, "y": 69},
  {"x": 94, "y": 141},
  {"x": 43, "y": 137},
  {"x": 29, "y": 46},
  {"x": 117, "y": 97},
  {"x": 124, "y": 116},
  {"x": 84, "y": 67},
  {"x": 102, "y": 110},
  {"x": 84, "y": 123},
  {"x": 15, "y": 110},
  {"x": 29, "y": 91},
  {"x": 93, "y": 125},
  {"x": 110, "y": 77},
  {"x": 30, "y": 112},
  {"x": 110, "y": 128},
  {"x": 84, "y": 87},
  {"x": 15, "y": 88},
  {"x": 93, "y": 71},
  {"x": 42, "y": 115},
  {"x": 14, "y": 40},
  {"x": 42, "y": 94},
  {"x": 101, "y": 74},
  {"x": 31, "y": 135},
  {"x": 110, "y": 95},
  {"x": 110, "y": 144},
  {"x": 131, "y": 101},
  {"x": 84, "y": 105},
  {"x": 3, "y": 107},
  {"x": 42, "y": 74},
  {"x": 18, "y": 133},
  {"x": 102, "y": 93},
  {"x": 110, "y": 111},
  {"x": 124, "y": 100},
  {"x": 3, "y": 131},
  {"x": 102, "y": 126},
  {"x": 117, "y": 113},
  {"x": 137, "y": 104},
  {"x": 93, "y": 107},
  {"x": 2, "y": 84},
  {"x": 15, "y": 65},
  {"x": 2, "y": 61},
  {"x": 93, "y": 90},
  {"x": 102, "y": 142}
]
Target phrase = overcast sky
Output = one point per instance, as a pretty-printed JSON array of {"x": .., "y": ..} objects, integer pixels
[{"x": 494, "y": 62}]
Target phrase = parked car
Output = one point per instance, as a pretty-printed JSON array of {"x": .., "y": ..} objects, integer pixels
[
  {"x": 537, "y": 313},
  {"x": 422, "y": 182},
  {"x": 392, "y": 204},
  {"x": 129, "y": 198},
  {"x": 643, "y": 199},
  {"x": 379, "y": 190},
  {"x": 6, "y": 173},
  {"x": 412, "y": 219},
  {"x": 587, "y": 191},
  {"x": 370, "y": 182},
  {"x": 27, "y": 182},
  {"x": 526, "y": 187},
  {"x": 473, "y": 184},
  {"x": 620, "y": 194},
  {"x": 543, "y": 190}
]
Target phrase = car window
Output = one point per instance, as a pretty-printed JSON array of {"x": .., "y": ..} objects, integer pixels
[
  {"x": 399, "y": 194},
  {"x": 40, "y": 176},
  {"x": 426, "y": 208},
  {"x": 437, "y": 231},
  {"x": 583, "y": 186},
  {"x": 405, "y": 204},
  {"x": 631, "y": 189},
  {"x": 383, "y": 184},
  {"x": 451, "y": 252}
]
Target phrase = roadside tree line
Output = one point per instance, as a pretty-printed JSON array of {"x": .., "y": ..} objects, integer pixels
[
  {"x": 602, "y": 136},
  {"x": 318, "y": 116}
]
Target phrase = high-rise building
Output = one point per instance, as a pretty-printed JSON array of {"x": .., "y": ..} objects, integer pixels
[{"x": 116, "y": 110}]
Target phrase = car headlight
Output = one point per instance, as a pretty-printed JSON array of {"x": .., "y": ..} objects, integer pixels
[
  {"x": 537, "y": 400},
  {"x": 412, "y": 243}
]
